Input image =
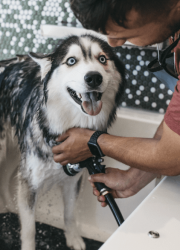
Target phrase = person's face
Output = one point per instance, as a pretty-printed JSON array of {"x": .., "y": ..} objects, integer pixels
[{"x": 137, "y": 33}]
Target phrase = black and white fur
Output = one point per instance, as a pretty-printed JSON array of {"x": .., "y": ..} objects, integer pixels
[{"x": 41, "y": 96}]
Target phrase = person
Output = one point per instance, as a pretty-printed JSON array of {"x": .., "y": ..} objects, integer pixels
[{"x": 141, "y": 23}]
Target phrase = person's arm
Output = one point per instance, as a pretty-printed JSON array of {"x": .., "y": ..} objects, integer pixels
[
  {"x": 150, "y": 155},
  {"x": 124, "y": 184},
  {"x": 159, "y": 131}
]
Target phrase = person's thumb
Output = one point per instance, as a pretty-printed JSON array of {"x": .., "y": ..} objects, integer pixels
[{"x": 97, "y": 178}]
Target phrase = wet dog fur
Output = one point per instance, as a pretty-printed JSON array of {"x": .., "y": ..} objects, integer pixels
[{"x": 79, "y": 84}]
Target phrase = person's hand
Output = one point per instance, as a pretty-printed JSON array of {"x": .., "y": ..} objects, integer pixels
[
  {"x": 123, "y": 184},
  {"x": 73, "y": 148}
]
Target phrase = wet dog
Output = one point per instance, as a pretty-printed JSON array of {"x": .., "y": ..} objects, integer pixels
[{"x": 41, "y": 96}]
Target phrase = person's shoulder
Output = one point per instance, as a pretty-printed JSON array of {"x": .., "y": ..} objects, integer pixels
[
  {"x": 177, "y": 87},
  {"x": 172, "y": 116}
]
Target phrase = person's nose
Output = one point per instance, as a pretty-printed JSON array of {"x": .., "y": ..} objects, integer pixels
[{"x": 115, "y": 42}]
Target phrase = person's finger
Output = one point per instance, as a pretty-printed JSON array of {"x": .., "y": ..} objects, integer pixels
[
  {"x": 62, "y": 137},
  {"x": 103, "y": 204},
  {"x": 56, "y": 157},
  {"x": 101, "y": 198},
  {"x": 57, "y": 149},
  {"x": 97, "y": 178},
  {"x": 96, "y": 192},
  {"x": 60, "y": 158},
  {"x": 64, "y": 163},
  {"x": 92, "y": 185}
]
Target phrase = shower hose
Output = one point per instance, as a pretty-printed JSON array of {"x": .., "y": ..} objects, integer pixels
[{"x": 94, "y": 167}]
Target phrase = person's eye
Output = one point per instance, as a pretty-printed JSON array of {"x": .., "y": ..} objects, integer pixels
[
  {"x": 71, "y": 61},
  {"x": 102, "y": 59}
]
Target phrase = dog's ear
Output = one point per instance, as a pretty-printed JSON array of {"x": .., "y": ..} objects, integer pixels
[
  {"x": 44, "y": 61},
  {"x": 22, "y": 58}
]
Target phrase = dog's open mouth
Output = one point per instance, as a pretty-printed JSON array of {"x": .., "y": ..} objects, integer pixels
[{"x": 90, "y": 101}]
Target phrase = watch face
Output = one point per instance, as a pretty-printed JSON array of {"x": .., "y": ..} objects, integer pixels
[{"x": 94, "y": 149}]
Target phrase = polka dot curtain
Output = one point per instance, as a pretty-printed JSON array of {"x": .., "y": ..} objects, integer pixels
[{"x": 20, "y": 33}]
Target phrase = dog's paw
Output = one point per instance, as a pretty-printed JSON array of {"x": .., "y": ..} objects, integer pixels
[{"x": 75, "y": 242}]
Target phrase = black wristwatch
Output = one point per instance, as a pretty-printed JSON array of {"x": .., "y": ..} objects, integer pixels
[{"x": 93, "y": 145}]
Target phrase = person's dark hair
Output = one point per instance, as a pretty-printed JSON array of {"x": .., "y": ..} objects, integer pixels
[{"x": 93, "y": 14}]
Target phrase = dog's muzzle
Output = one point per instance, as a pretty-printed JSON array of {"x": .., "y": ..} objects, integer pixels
[{"x": 90, "y": 102}]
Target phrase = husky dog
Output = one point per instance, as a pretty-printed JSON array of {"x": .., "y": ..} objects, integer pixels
[{"x": 41, "y": 96}]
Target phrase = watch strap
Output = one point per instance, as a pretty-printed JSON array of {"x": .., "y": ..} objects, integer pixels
[{"x": 93, "y": 141}]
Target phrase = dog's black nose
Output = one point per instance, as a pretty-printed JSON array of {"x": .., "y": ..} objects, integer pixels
[{"x": 93, "y": 79}]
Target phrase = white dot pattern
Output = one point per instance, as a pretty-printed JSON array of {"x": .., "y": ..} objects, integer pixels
[
  {"x": 137, "y": 102},
  {"x": 21, "y": 20},
  {"x": 143, "y": 89}
]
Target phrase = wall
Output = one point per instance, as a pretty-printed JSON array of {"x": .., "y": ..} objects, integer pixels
[{"x": 20, "y": 33}]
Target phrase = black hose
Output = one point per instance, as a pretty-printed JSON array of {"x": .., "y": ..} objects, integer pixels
[
  {"x": 111, "y": 202},
  {"x": 114, "y": 208},
  {"x": 101, "y": 187}
]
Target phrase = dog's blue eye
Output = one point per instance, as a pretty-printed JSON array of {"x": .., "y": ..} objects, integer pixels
[
  {"x": 102, "y": 59},
  {"x": 71, "y": 61}
]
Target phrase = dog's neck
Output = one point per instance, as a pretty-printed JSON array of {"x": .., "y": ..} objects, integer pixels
[
  {"x": 48, "y": 135},
  {"x": 62, "y": 115}
]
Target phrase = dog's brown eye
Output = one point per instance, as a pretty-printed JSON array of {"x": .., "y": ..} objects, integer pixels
[
  {"x": 102, "y": 59},
  {"x": 71, "y": 61}
]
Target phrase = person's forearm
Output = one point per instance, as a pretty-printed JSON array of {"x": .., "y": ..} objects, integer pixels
[
  {"x": 159, "y": 131},
  {"x": 134, "y": 152},
  {"x": 146, "y": 154},
  {"x": 160, "y": 156}
]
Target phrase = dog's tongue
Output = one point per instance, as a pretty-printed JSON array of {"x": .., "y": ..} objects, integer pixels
[{"x": 91, "y": 104}]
